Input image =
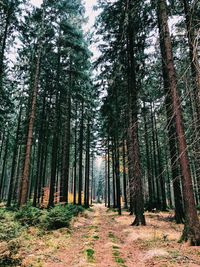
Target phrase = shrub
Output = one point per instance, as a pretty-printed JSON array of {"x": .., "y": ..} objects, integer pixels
[
  {"x": 60, "y": 216},
  {"x": 57, "y": 217},
  {"x": 28, "y": 215},
  {"x": 9, "y": 230},
  {"x": 2, "y": 214},
  {"x": 75, "y": 210}
]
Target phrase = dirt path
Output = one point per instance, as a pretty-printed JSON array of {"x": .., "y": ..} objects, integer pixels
[{"x": 103, "y": 239}]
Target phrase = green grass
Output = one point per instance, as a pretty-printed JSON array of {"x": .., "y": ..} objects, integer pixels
[
  {"x": 96, "y": 237},
  {"x": 119, "y": 260},
  {"x": 112, "y": 237},
  {"x": 117, "y": 256},
  {"x": 115, "y": 247},
  {"x": 90, "y": 255}
]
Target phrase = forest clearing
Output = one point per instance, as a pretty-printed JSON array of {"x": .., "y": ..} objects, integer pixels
[{"x": 99, "y": 133}]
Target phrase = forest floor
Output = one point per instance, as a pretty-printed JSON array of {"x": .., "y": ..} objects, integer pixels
[{"x": 101, "y": 238}]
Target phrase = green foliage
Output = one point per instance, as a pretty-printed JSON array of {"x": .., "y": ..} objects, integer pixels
[
  {"x": 90, "y": 255},
  {"x": 75, "y": 210},
  {"x": 28, "y": 215},
  {"x": 60, "y": 216},
  {"x": 9, "y": 228}
]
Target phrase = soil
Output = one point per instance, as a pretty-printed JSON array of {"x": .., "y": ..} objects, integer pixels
[{"x": 102, "y": 238}]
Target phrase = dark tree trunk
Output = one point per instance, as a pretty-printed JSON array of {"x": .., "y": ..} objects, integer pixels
[
  {"x": 40, "y": 154},
  {"x": 124, "y": 175},
  {"x": 157, "y": 178},
  {"x": 3, "y": 167},
  {"x": 64, "y": 183},
  {"x": 133, "y": 150},
  {"x": 81, "y": 156},
  {"x": 14, "y": 160},
  {"x": 75, "y": 155},
  {"x": 108, "y": 171},
  {"x": 23, "y": 194},
  {"x": 87, "y": 168},
  {"x": 161, "y": 171},
  {"x": 92, "y": 181},
  {"x": 55, "y": 142},
  {"x": 117, "y": 175},
  {"x": 113, "y": 176},
  {"x": 149, "y": 176}
]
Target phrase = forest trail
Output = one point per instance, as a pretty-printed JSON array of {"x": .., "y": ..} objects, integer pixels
[
  {"x": 101, "y": 238},
  {"x": 98, "y": 240}
]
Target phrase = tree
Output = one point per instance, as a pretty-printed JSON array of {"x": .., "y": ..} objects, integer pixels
[{"x": 192, "y": 225}]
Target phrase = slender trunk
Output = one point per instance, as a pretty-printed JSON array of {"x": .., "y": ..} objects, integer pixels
[
  {"x": 2, "y": 143},
  {"x": 26, "y": 166},
  {"x": 161, "y": 171},
  {"x": 149, "y": 176},
  {"x": 75, "y": 155},
  {"x": 113, "y": 176},
  {"x": 66, "y": 153},
  {"x": 14, "y": 160},
  {"x": 117, "y": 174},
  {"x": 108, "y": 171},
  {"x": 55, "y": 143},
  {"x": 106, "y": 180},
  {"x": 135, "y": 168},
  {"x": 3, "y": 167},
  {"x": 81, "y": 156},
  {"x": 92, "y": 180},
  {"x": 124, "y": 175},
  {"x": 157, "y": 180},
  {"x": 87, "y": 168}
]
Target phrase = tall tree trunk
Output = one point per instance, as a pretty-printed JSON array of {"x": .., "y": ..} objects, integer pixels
[
  {"x": 55, "y": 143},
  {"x": 192, "y": 224},
  {"x": 149, "y": 176},
  {"x": 87, "y": 167},
  {"x": 135, "y": 168},
  {"x": 14, "y": 160},
  {"x": 106, "y": 181},
  {"x": 195, "y": 70},
  {"x": 161, "y": 171},
  {"x": 81, "y": 155},
  {"x": 172, "y": 139},
  {"x": 124, "y": 175},
  {"x": 117, "y": 175},
  {"x": 26, "y": 166},
  {"x": 108, "y": 171},
  {"x": 92, "y": 180},
  {"x": 64, "y": 183},
  {"x": 75, "y": 155},
  {"x": 157, "y": 178},
  {"x": 3, "y": 167},
  {"x": 113, "y": 175}
]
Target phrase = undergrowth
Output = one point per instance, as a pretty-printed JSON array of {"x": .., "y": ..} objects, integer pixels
[{"x": 14, "y": 224}]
